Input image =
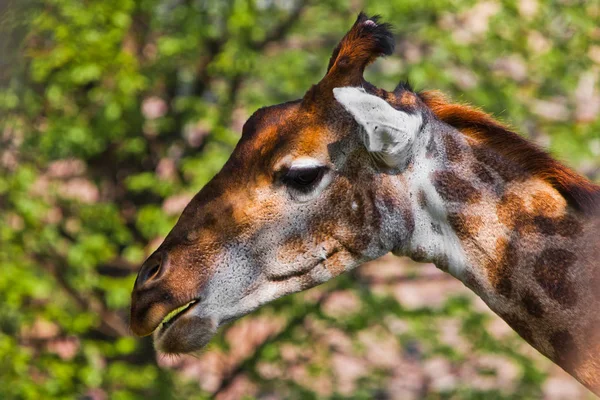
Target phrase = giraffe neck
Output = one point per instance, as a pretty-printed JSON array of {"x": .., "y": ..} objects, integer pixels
[{"x": 515, "y": 242}]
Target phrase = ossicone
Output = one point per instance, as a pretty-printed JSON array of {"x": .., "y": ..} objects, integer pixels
[{"x": 364, "y": 42}]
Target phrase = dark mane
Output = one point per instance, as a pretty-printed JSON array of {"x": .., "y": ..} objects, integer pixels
[{"x": 576, "y": 189}]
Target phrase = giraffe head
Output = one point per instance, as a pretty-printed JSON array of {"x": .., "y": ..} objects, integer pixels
[{"x": 302, "y": 199}]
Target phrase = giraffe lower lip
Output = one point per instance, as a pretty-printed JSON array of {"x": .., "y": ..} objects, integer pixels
[{"x": 186, "y": 335}]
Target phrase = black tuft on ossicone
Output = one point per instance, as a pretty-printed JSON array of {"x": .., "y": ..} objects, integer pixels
[
  {"x": 382, "y": 33},
  {"x": 378, "y": 35}
]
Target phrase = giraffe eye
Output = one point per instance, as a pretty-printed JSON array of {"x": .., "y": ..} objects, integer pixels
[{"x": 303, "y": 179}]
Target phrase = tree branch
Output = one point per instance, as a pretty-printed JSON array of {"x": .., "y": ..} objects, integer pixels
[
  {"x": 118, "y": 267},
  {"x": 110, "y": 322},
  {"x": 282, "y": 29},
  {"x": 243, "y": 366},
  {"x": 202, "y": 76}
]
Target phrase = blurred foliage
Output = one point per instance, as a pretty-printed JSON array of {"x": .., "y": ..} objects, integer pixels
[{"x": 115, "y": 112}]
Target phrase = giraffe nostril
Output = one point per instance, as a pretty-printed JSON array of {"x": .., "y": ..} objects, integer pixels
[{"x": 151, "y": 269}]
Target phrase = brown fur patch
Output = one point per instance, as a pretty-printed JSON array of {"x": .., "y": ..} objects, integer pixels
[
  {"x": 465, "y": 226},
  {"x": 550, "y": 271},
  {"x": 544, "y": 204},
  {"x": 512, "y": 213},
  {"x": 419, "y": 254},
  {"x": 521, "y": 327},
  {"x": 453, "y": 188},
  {"x": 453, "y": 150},
  {"x": 507, "y": 171},
  {"x": 532, "y": 304},
  {"x": 375, "y": 214},
  {"x": 472, "y": 282},
  {"x": 514, "y": 150},
  {"x": 390, "y": 201},
  {"x": 510, "y": 209},
  {"x": 409, "y": 221},
  {"x": 568, "y": 226},
  {"x": 432, "y": 148},
  {"x": 483, "y": 174},
  {"x": 501, "y": 267},
  {"x": 442, "y": 263},
  {"x": 333, "y": 265},
  {"x": 566, "y": 352},
  {"x": 209, "y": 221}
]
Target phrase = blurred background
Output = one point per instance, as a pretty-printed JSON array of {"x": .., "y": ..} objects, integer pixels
[{"x": 114, "y": 113}]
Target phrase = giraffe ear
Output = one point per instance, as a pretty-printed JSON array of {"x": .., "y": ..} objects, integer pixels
[{"x": 387, "y": 133}]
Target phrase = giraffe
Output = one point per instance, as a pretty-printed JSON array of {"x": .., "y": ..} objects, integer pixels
[{"x": 317, "y": 186}]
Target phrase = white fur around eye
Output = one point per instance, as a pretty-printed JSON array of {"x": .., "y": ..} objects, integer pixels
[
  {"x": 387, "y": 133},
  {"x": 305, "y": 162}
]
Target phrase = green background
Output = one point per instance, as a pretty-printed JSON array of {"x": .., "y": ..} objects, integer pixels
[{"x": 115, "y": 112}]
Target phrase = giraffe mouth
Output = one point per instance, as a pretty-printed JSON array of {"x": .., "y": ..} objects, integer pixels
[{"x": 172, "y": 317}]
